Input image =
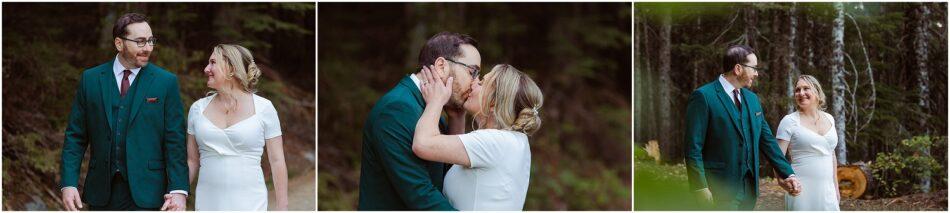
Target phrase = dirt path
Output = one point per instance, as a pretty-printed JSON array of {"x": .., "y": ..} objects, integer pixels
[
  {"x": 772, "y": 198},
  {"x": 302, "y": 194}
]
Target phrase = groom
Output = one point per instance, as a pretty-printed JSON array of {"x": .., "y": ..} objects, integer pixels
[
  {"x": 725, "y": 127},
  {"x": 129, "y": 115},
  {"x": 391, "y": 176}
]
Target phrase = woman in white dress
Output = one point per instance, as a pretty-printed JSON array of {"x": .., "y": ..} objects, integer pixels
[
  {"x": 227, "y": 134},
  {"x": 493, "y": 163},
  {"x": 808, "y": 138}
]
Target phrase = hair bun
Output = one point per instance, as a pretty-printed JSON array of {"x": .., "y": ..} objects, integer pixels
[
  {"x": 528, "y": 121},
  {"x": 253, "y": 74}
]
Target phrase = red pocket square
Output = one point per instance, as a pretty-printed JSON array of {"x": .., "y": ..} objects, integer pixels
[{"x": 151, "y": 100}]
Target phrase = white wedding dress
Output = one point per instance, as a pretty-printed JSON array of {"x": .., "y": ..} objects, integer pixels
[
  {"x": 813, "y": 162},
  {"x": 498, "y": 177},
  {"x": 230, "y": 177}
]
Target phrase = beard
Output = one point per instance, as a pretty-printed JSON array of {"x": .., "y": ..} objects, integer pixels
[{"x": 457, "y": 101}]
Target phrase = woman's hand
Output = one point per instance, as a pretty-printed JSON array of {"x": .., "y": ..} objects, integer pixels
[{"x": 434, "y": 91}]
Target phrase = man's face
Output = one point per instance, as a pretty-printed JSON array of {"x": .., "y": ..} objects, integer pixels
[
  {"x": 129, "y": 51},
  {"x": 748, "y": 74},
  {"x": 463, "y": 74}
]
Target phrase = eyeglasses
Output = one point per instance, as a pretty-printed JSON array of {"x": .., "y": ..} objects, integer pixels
[
  {"x": 474, "y": 68},
  {"x": 142, "y": 42},
  {"x": 757, "y": 69}
]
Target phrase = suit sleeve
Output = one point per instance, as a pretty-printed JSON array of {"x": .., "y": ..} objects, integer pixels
[
  {"x": 175, "y": 154},
  {"x": 771, "y": 150},
  {"x": 75, "y": 141},
  {"x": 697, "y": 120},
  {"x": 393, "y": 131}
]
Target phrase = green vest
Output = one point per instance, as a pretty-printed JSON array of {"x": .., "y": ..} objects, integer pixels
[{"x": 122, "y": 110}]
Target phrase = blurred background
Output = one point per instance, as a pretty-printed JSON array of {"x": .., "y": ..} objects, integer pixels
[
  {"x": 891, "y": 80},
  {"x": 578, "y": 53},
  {"x": 46, "y": 46}
]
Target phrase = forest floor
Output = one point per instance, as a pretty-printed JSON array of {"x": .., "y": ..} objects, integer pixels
[
  {"x": 772, "y": 199},
  {"x": 301, "y": 192}
]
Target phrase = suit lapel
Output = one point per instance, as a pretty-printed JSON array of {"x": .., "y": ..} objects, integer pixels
[
  {"x": 729, "y": 105},
  {"x": 144, "y": 81},
  {"x": 109, "y": 90},
  {"x": 417, "y": 94}
]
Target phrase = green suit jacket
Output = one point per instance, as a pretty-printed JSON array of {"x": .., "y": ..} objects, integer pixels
[
  {"x": 155, "y": 139},
  {"x": 714, "y": 141},
  {"x": 391, "y": 176}
]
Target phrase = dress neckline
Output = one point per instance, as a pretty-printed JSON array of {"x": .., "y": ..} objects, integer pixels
[
  {"x": 205, "y": 108},
  {"x": 822, "y": 114}
]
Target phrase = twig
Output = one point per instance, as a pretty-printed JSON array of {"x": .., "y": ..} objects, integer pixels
[{"x": 727, "y": 29}]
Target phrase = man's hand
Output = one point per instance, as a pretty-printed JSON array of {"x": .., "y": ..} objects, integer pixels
[
  {"x": 704, "y": 196},
  {"x": 174, "y": 202},
  {"x": 791, "y": 185},
  {"x": 71, "y": 200}
]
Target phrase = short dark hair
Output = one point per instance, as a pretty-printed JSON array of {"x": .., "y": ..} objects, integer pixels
[
  {"x": 118, "y": 30},
  {"x": 736, "y": 54},
  {"x": 444, "y": 44}
]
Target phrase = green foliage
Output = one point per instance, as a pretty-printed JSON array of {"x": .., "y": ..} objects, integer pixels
[
  {"x": 899, "y": 170},
  {"x": 659, "y": 187}
]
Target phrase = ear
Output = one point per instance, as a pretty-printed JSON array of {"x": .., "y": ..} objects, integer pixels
[
  {"x": 737, "y": 70},
  {"x": 440, "y": 64},
  {"x": 118, "y": 44}
]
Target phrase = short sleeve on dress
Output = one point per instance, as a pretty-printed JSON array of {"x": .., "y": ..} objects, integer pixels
[
  {"x": 784, "y": 131},
  {"x": 484, "y": 147},
  {"x": 270, "y": 121},
  {"x": 193, "y": 112}
]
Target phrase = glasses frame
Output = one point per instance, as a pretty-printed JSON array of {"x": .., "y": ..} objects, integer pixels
[
  {"x": 150, "y": 41},
  {"x": 757, "y": 69},
  {"x": 475, "y": 70}
]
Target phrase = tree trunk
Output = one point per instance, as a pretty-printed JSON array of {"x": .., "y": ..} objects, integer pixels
[
  {"x": 665, "y": 85},
  {"x": 838, "y": 83},
  {"x": 790, "y": 57},
  {"x": 750, "y": 29},
  {"x": 922, "y": 53}
]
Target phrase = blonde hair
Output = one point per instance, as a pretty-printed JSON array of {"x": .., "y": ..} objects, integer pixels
[
  {"x": 515, "y": 97},
  {"x": 239, "y": 63},
  {"x": 813, "y": 82}
]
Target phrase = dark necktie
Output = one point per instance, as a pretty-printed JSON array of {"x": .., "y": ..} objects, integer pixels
[
  {"x": 735, "y": 97},
  {"x": 125, "y": 82}
]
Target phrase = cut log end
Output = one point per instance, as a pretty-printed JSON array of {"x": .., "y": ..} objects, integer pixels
[{"x": 852, "y": 181}]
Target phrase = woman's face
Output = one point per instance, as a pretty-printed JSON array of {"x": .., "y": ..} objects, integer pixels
[
  {"x": 473, "y": 104},
  {"x": 217, "y": 78},
  {"x": 805, "y": 95}
]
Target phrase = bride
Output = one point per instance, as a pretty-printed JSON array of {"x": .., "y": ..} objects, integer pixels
[
  {"x": 492, "y": 164},
  {"x": 809, "y": 139},
  {"x": 228, "y": 132}
]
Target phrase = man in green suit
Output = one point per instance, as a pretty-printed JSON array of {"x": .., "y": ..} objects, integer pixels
[
  {"x": 391, "y": 176},
  {"x": 725, "y": 128},
  {"x": 129, "y": 114}
]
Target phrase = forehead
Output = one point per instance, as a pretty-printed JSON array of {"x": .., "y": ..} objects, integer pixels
[
  {"x": 803, "y": 83},
  {"x": 470, "y": 55},
  {"x": 753, "y": 60},
  {"x": 139, "y": 30}
]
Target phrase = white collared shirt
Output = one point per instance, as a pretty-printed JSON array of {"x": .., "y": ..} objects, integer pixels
[
  {"x": 117, "y": 69},
  {"x": 729, "y": 88},
  {"x": 416, "y": 81}
]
